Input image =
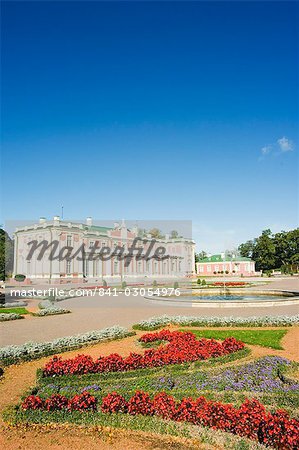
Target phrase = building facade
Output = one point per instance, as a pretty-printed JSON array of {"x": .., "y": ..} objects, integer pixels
[
  {"x": 61, "y": 236},
  {"x": 218, "y": 264}
]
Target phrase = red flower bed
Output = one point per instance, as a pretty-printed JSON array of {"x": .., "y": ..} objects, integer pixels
[
  {"x": 182, "y": 347},
  {"x": 82, "y": 402},
  {"x": 250, "y": 420},
  {"x": 230, "y": 283}
]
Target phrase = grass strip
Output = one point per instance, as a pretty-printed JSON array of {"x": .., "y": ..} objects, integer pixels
[{"x": 264, "y": 338}]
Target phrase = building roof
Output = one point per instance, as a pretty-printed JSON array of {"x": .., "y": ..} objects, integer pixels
[
  {"x": 96, "y": 228},
  {"x": 219, "y": 258}
]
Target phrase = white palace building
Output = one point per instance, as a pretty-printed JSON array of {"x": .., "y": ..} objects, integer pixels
[{"x": 55, "y": 237}]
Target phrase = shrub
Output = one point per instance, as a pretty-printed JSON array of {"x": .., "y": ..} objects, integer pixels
[
  {"x": 20, "y": 277},
  {"x": 155, "y": 284},
  {"x": 175, "y": 285},
  {"x": 199, "y": 281},
  {"x": 123, "y": 285},
  {"x": 203, "y": 283}
]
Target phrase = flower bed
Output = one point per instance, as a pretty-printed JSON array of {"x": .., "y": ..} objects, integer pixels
[
  {"x": 182, "y": 347},
  {"x": 51, "y": 311},
  {"x": 257, "y": 376},
  {"x": 9, "y": 316},
  {"x": 13, "y": 354},
  {"x": 230, "y": 283},
  {"x": 81, "y": 402},
  {"x": 250, "y": 420},
  {"x": 214, "y": 321}
]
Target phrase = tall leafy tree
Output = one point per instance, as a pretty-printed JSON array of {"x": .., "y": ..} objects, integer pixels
[
  {"x": 6, "y": 254},
  {"x": 174, "y": 234},
  {"x": 273, "y": 251},
  {"x": 246, "y": 250},
  {"x": 156, "y": 233},
  {"x": 202, "y": 255},
  {"x": 264, "y": 253}
]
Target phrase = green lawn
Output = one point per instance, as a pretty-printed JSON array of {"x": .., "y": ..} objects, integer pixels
[
  {"x": 265, "y": 338},
  {"x": 20, "y": 311}
]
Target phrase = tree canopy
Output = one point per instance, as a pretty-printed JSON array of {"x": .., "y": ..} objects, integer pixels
[
  {"x": 6, "y": 254},
  {"x": 273, "y": 251}
]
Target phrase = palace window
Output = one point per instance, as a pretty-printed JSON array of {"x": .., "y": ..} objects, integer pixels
[
  {"x": 139, "y": 267},
  {"x": 116, "y": 268},
  {"x": 86, "y": 267},
  {"x": 68, "y": 267},
  {"x": 69, "y": 241},
  {"x": 164, "y": 268},
  {"x": 95, "y": 267}
]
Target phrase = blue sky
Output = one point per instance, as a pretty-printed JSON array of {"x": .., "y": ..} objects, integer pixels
[{"x": 172, "y": 110}]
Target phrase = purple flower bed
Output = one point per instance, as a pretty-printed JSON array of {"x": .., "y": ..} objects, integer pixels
[{"x": 258, "y": 376}]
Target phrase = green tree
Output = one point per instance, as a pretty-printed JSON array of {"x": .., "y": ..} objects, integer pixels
[
  {"x": 6, "y": 254},
  {"x": 156, "y": 233},
  {"x": 264, "y": 253},
  {"x": 202, "y": 254},
  {"x": 174, "y": 234},
  {"x": 246, "y": 250},
  {"x": 287, "y": 247},
  {"x": 274, "y": 251}
]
